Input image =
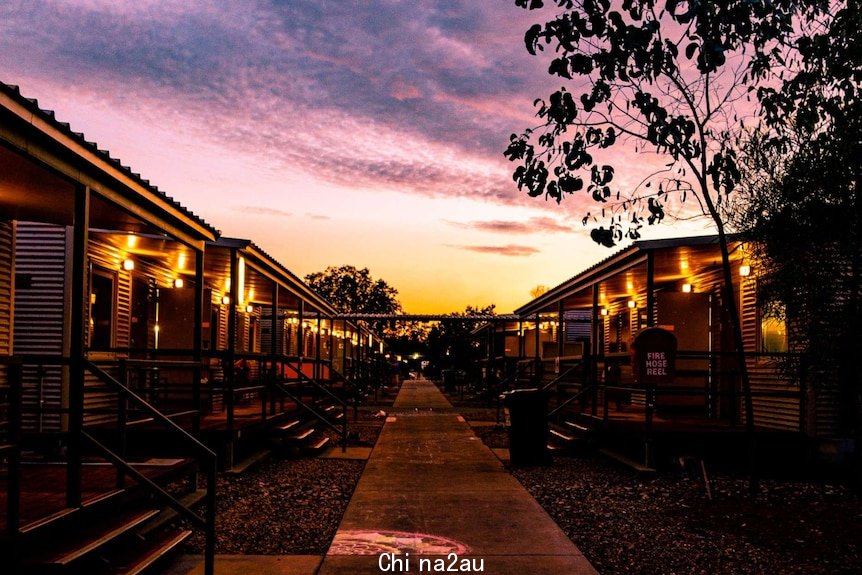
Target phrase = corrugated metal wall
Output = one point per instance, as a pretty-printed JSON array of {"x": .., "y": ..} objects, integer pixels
[
  {"x": 764, "y": 373},
  {"x": 7, "y": 292},
  {"x": 40, "y": 317},
  {"x": 7, "y": 266},
  {"x": 109, "y": 258}
]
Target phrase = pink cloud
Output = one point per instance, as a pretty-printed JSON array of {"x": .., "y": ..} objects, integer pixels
[
  {"x": 536, "y": 225},
  {"x": 510, "y": 250}
]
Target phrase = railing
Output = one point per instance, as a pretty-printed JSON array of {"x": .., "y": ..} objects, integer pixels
[
  {"x": 563, "y": 377},
  {"x": 303, "y": 378},
  {"x": 503, "y": 385},
  {"x": 13, "y": 422},
  {"x": 11, "y": 446},
  {"x": 714, "y": 395},
  {"x": 206, "y": 458},
  {"x": 355, "y": 390}
]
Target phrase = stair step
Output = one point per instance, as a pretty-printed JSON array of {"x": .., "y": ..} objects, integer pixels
[
  {"x": 48, "y": 520},
  {"x": 93, "y": 537},
  {"x": 302, "y": 434},
  {"x": 102, "y": 498},
  {"x": 319, "y": 444},
  {"x": 639, "y": 468},
  {"x": 140, "y": 558},
  {"x": 563, "y": 436},
  {"x": 289, "y": 425},
  {"x": 248, "y": 462},
  {"x": 577, "y": 426}
]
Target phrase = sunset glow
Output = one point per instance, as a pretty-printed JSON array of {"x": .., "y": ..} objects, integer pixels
[{"x": 361, "y": 133}]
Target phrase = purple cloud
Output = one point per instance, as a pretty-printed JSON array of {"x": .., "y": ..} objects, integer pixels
[
  {"x": 539, "y": 225},
  {"x": 263, "y": 211},
  {"x": 510, "y": 250},
  {"x": 416, "y": 96}
]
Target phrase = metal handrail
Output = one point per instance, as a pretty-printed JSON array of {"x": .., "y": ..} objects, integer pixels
[
  {"x": 296, "y": 399},
  {"x": 208, "y": 522},
  {"x": 13, "y": 483},
  {"x": 562, "y": 376},
  {"x": 575, "y": 397}
]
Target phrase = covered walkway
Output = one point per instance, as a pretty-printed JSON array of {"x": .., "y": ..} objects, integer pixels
[{"x": 430, "y": 489}]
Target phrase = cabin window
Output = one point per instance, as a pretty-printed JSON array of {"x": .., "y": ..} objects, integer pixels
[
  {"x": 773, "y": 335},
  {"x": 619, "y": 332},
  {"x": 102, "y": 309}
]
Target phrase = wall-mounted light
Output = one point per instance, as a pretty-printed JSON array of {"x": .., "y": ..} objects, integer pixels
[
  {"x": 131, "y": 240},
  {"x": 632, "y": 304},
  {"x": 249, "y": 308},
  {"x": 225, "y": 299},
  {"x": 128, "y": 264},
  {"x": 686, "y": 288},
  {"x": 745, "y": 270},
  {"x": 603, "y": 311},
  {"x": 178, "y": 283},
  {"x": 241, "y": 284}
]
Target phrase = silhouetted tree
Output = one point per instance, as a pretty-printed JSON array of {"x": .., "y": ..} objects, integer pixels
[
  {"x": 664, "y": 77},
  {"x": 802, "y": 203},
  {"x": 355, "y": 291},
  {"x": 451, "y": 342}
]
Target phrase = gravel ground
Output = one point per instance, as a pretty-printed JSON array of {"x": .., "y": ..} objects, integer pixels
[
  {"x": 283, "y": 506},
  {"x": 667, "y": 524},
  {"x": 664, "y": 525}
]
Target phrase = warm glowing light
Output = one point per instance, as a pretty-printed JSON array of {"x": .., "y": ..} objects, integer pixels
[
  {"x": 241, "y": 285},
  {"x": 181, "y": 261},
  {"x": 745, "y": 270},
  {"x": 686, "y": 288},
  {"x": 249, "y": 308},
  {"x": 225, "y": 299},
  {"x": 128, "y": 264},
  {"x": 156, "y": 328},
  {"x": 632, "y": 304},
  {"x": 178, "y": 283},
  {"x": 604, "y": 311},
  {"x": 131, "y": 240},
  {"x": 250, "y": 294},
  {"x": 683, "y": 265}
]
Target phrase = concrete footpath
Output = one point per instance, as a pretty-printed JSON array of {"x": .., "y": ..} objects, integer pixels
[{"x": 433, "y": 498}]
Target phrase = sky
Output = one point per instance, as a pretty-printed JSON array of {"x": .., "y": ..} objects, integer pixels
[{"x": 367, "y": 133}]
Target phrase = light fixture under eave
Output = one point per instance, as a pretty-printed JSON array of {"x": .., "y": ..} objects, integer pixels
[
  {"x": 745, "y": 270},
  {"x": 128, "y": 264},
  {"x": 178, "y": 283},
  {"x": 249, "y": 308},
  {"x": 632, "y": 304},
  {"x": 225, "y": 299},
  {"x": 686, "y": 288},
  {"x": 603, "y": 311}
]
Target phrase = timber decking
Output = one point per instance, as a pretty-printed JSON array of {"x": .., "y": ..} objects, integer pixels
[{"x": 43, "y": 487}]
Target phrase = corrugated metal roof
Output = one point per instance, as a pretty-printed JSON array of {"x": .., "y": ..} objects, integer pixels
[
  {"x": 49, "y": 116},
  {"x": 634, "y": 248}
]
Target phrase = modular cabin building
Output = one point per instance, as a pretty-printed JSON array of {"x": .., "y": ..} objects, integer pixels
[
  {"x": 271, "y": 344},
  {"x": 84, "y": 242},
  {"x": 577, "y": 341}
]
